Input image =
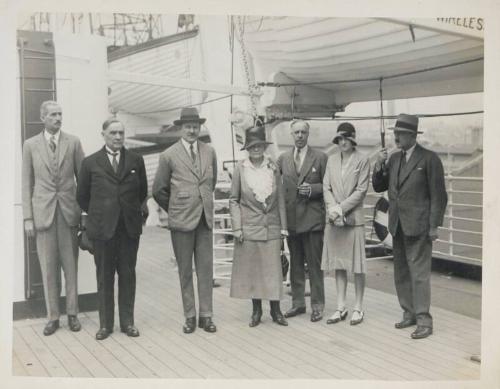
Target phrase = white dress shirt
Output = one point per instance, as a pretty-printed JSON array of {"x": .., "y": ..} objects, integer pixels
[
  {"x": 48, "y": 135},
  {"x": 110, "y": 157},
  {"x": 187, "y": 146},
  {"x": 302, "y": 154}
]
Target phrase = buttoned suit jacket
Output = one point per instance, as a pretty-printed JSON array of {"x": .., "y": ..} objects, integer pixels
[
  {"x": 106, "y": 195},
  {"x": 348, "y": 190},
  {"x": 44, "y": 185},
  {"x": 417, "y": 201},
  {"x": 304, "y": 214},
  {"x": 257, "y": 221},
  {"x": 181, "y": 190}
]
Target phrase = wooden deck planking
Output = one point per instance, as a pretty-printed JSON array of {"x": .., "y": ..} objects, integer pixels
[
  {"x": 372, "y": 350},
  {"x": 304, "y": 351},
  {"x": 215, "y": 350},
  {"x": 44, "y": 354},
  {"x": 125, "y": 355},
  {"x": 265, "y": 369},
  {"x": 17, "y": 366},
  {"x": 27, "y": 357},
  {"x": 78, "y": 343},
  {"x": 299, "y": 336}
]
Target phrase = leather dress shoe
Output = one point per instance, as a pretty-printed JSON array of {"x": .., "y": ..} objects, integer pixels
[
  {"x": 405, "y": 323},
  {"x": 294, "y": 311},
  {"x": 421, "y": 332},
  {"x": 190, "y": 325},
  {"x": 316, "y": 315},
  {"x": 207, "y": 324},
  {"x": 73, "y": 323},
  {"x": 130, "y": 330},
  {"x": 51, "y": 327},
  {"x": 279, "y": 318},
  {"x": 103, "y": 333}
]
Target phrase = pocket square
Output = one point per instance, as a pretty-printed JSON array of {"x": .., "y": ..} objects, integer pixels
[
  {"x": 313, "y": 170},
  {"x": 132, "y": 171},
  {"x": 420, "y": 168}
]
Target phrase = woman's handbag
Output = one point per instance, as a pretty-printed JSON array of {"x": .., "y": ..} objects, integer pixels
[{"x": 285, "y": 264}]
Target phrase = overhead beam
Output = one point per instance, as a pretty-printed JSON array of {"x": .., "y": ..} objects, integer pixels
[{"x": 147, "y": 79}]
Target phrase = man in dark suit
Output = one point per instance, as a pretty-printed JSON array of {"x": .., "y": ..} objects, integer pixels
[
  {"x": 414, "y": 178},
  {"x": 112, "y": 188},
  {"x": 183, "y": 187},
  {"x": 302, "y": 170},
  {"x": 51, "y": 162}
]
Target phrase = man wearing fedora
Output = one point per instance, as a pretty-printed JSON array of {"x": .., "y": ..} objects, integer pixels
[
  {"x": 414, "y": 178},
  {"x": 302, "y": 169},
  {"x": 183, "y": 187}
]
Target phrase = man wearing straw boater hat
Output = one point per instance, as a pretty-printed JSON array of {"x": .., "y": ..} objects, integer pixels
[
  {"x": 183, "y": 187},
  {"x": 414, "y": 178}
]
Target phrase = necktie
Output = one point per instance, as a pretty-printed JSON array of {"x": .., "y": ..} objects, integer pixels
[
  {"x": 52, "y": 143},
  {"x": 402, "y": 165},
  {"x": 114, "y": 163},
  {"x": 297, "y": 161},
  {"x": 193, "y": 155}
]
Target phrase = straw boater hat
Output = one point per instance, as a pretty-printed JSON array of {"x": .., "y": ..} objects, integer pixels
[
  {"x": 189, "y": 115},
  {"x": 347, "y": 131},
  {"x": 406, "y": 123},
  {"x": 255, "y": 135}
]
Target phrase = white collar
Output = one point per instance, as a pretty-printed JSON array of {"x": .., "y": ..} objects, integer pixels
[
  {"x": 48, "y": 135},
  {"x": 409, "y": 152},
  {"x": 187, "y": 146},
  {"x": 110, "y": 152},
  {"x": 303, "y": 151}
]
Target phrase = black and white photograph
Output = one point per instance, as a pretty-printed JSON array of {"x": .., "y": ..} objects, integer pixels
[{"x": 251, "y": 196}]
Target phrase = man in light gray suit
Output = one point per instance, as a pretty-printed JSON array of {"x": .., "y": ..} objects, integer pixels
[
  {"x": 183, "y": 187},
  {"x": 51, "y": 161}
]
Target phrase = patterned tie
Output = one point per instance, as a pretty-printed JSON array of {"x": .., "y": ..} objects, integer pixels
[
  {"x": 193, "y": 155},
  {"x": 297, "y": 161},
  {"x": 52, "y": 143}
]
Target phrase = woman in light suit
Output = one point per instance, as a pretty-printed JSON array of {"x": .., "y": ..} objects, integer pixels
[
  {"x": 258, "y": 218},
  {"x": 344, "y": 188}
]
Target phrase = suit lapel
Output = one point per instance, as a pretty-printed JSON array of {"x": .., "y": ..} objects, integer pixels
[
  {"x": 338, "y": 180},
  {"x": 103, "y": 161},
  {"x": 43, "y": 149},
  {"x": 186, "y": 158},
  {"x": 415, "y": 157},
  {"x": 63, "y": 147},
  {"x": 204, "y": 158},
  {"x": 291, "y": 163},
  {"x": 125, "y": 163},
  {"x": 306, "y": 165}
]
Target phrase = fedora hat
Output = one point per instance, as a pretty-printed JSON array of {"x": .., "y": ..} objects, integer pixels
[
  {"x": 345, "y": 130},
  {"x": 255, "y": 135},
  {"x": 189, "y": 115},
  {"x": 406, "y": 123}
]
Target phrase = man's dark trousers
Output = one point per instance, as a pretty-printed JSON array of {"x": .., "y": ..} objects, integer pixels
[
  {"x": 304, "y": 248},
  {"x": 118, "y": 254}
]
